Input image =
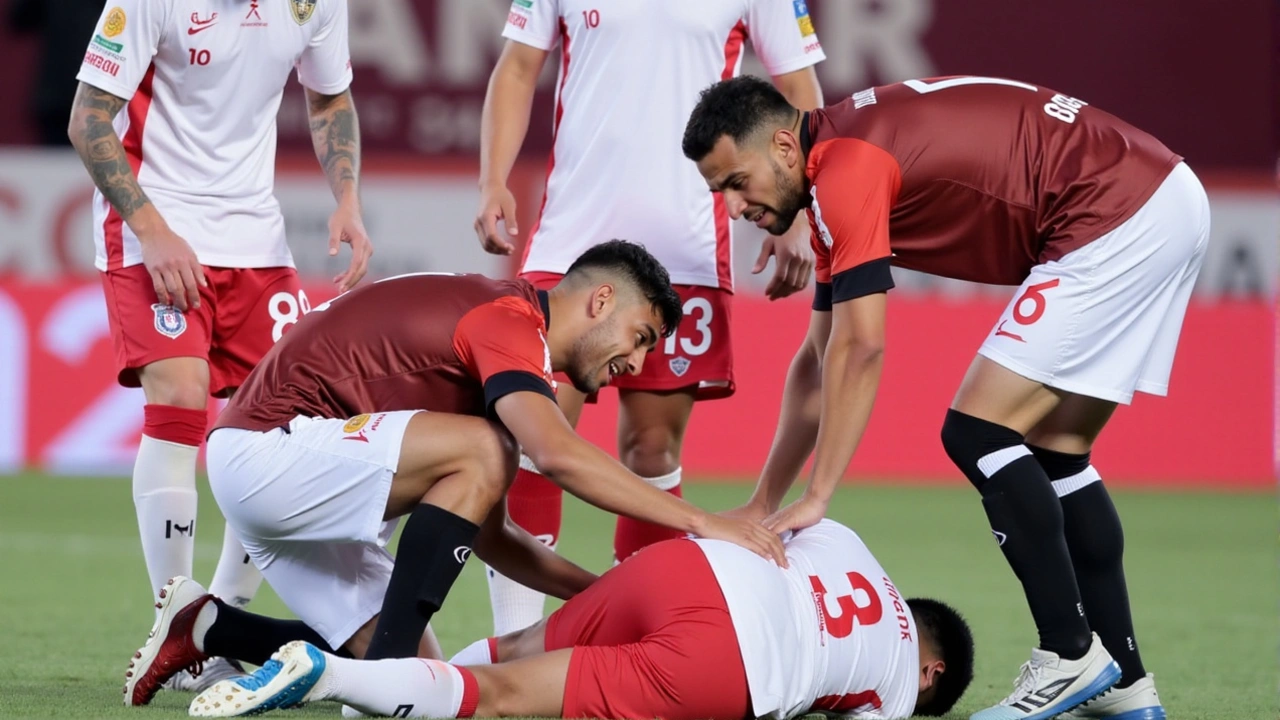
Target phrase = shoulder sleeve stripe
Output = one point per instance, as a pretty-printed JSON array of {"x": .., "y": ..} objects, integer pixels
[
  {"x": 822, "y": 296},
  {"x": 866, "y": 279},
  {"x": 506, "y": 382}
]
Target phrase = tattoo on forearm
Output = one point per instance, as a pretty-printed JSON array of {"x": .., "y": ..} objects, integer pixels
[
  {"x": 102, "y": 152},
  {"x": 335, "y": 133}
]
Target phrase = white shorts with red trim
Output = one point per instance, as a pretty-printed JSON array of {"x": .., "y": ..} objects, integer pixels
[{"x": 1104, "y": 320}]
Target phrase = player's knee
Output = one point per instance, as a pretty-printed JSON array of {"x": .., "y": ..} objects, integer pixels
[
  {"x": 650, "y": 452},
  {"x": 497, "y": 457},
  {"x": 178, "y": 382},
  {"x": 967, "y": 440}
]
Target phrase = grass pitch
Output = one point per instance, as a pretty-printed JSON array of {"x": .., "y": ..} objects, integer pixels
[{"x": 1202, "y": 578}]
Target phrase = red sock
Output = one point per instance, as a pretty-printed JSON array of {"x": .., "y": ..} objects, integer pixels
[
  {"x": 534, "y": 503},
  {"x": 632, "y": 536}
]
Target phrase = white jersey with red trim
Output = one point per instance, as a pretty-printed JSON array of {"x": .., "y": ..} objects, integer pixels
[
  {"x": 630, "y": 74},
  {"x": 204, "y": 80},
  {"x": 828, "y": 634}
]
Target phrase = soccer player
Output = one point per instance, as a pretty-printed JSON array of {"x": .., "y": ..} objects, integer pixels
[
  {"x": 175, "y": 120},
  {"x": 994, "y": 181},
  {"x": 686, "y": 629},
  {"x": 409, "y": 397},
  {"x": 630, "y": 73}
]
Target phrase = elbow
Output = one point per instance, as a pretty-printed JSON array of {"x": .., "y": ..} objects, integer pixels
[
  {"x": 75, "y": 129},
  {"x": 552, "y": 459}
]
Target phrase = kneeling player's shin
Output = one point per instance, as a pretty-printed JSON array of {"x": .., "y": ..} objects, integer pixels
[
  {"x": 433, "y": 548},
  {"x": 1026, "y": 520}
]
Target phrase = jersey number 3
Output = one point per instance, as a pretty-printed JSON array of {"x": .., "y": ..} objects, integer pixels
[{"x": 841, "y": 625}]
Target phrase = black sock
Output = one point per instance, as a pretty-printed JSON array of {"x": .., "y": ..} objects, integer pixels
[
  {"x": 1096, "y": 541},
  {"x": 243, "y": 636},
  {"x": 1026, "y": 520},
  {"x": 433, "y": 548}
]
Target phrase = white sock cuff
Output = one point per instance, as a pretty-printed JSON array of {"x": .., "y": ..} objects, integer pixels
[
  {"x": 998, "y": 460},
  {"x": 1068, "y": 485},
  {"x": 527, "y": 464},
  {"x": 666, "y": 482},
  {"x": 163, "y": 465},
  {"x": 479, "y": 652}
]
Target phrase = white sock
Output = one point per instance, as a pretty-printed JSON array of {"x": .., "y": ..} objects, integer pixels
[
  {"x": 515, "y": 607},
  {"x": 403, "y": 687},
  {"x": 480, "y": 652},
  {"x": 204, "y": 620},
  {"x": 236, "y": 580},
  {"x": 164, "y": 496}
]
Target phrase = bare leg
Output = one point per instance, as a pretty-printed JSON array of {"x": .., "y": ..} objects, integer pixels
[{"x": 651, "y": 430}]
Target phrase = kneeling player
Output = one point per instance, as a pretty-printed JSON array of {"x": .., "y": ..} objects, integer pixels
[
  {"x": 379, "y": 405},
  {"x": 684, "y": 629}
]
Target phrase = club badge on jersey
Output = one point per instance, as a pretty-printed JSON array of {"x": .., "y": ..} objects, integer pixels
[
  {"x": 302, "y": 10},
  {"x": 170, "y": 321},
  {"x": 679, "y": 365}
]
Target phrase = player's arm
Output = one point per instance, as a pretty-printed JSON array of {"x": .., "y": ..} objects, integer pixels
[
  {"x": 589, "y": 473},
  {"x": 512, "y": 551},
  {"x": 797, "y": 422},
  {"x": 854, "y": 191},
  {"x": 503, "y": 124},
  {"x": 136, "y": 25},
  {"x": 793, "y": 258}
]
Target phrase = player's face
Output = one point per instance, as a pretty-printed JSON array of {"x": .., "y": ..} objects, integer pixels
[
  {"x": 616, "y": 344},
  {"x": 764, "y": 185}
]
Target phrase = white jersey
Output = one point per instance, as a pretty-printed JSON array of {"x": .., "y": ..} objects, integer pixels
[
  {"x": 828, "y": 634},
  {"x": 630, "y": 74},
  {"x": 204, "y": 80}
]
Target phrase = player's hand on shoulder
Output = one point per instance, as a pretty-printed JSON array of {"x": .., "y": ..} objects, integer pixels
[
  {"x": 175, "y": 270},
  {"x": 804, "y": 512},
  {"x": 347, "y": 226},
  {"x": 496, "y": 203},
  {"x": 792, "y": 264},
  {"x": 748, "y": 534}
]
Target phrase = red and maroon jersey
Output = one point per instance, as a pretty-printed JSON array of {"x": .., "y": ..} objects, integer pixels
[
  {"x": 444, "y": 343},
  {"x": 966, "y": 177}
]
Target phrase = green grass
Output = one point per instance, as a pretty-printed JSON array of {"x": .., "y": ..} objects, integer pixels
[{"x": 1202, "y": 578}]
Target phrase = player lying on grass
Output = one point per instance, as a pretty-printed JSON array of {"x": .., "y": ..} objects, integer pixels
[
  {"x": 411, "y": 397},
  {"x": 690, "y": 629},
  {"x": 1001, "y": 182}
]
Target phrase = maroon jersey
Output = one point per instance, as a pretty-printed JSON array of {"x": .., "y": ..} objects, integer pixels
[
  {"x": 444, "y": 343},
  {"x": 967, "y": 177}
]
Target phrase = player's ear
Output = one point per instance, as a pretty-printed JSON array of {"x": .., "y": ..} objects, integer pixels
[
  {"x": 787, "y": 146},
  {"x": 931, "y": 672},
  {"x": 601, "y": 300}
]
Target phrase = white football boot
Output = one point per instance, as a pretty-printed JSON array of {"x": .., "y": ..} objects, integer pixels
[
  {"x": 1139, "y": 701},
  {"x": 289, "y": 679},
  {"x": 1049, "y": 686}
]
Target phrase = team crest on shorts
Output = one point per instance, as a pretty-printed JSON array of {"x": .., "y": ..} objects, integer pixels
[
  {"x": 679, "y": 365},
  {"x": 170, "y": 322},
  {"x": 355, "y": 423},
  {"x": 302, "y": 10}
]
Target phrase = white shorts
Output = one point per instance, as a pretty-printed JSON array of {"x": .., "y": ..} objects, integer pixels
[
  {"x": 1104, "y": 320},
  {"x": 307, "y": 503}
]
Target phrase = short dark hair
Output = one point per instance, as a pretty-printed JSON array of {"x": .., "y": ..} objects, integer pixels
[
  {"x": 949, "y": 633},
  {"x": 632, "y": 262},
  {"x": 738, "y": 108}
]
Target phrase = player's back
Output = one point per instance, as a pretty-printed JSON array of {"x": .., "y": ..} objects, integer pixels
[
  {"x": 630, "y": 74},
  {"x": 995, "y": 175},
  {"x": 392, "y": 345},
  {"x": 829, "y": 633}
]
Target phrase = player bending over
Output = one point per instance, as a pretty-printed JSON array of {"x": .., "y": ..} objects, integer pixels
[
  {"x": 684, "y": 629},
  {"x": 993, "y": 181},
  {"x": 410, "y": 397}
]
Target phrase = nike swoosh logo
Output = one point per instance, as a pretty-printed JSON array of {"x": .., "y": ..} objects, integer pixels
[{"x": 194, "y": 30}]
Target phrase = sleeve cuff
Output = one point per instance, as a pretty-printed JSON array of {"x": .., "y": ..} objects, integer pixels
[
  {"x": 527, "y": 38},
  {"x": 798, "y": 63},
  {"x": 104, "y": 84},
  {"x": 334, "y": 88},
  {"x": 822, "y": 297},
  {"x": 868, "y": 278},
  {"x": 501, "y": 384}
]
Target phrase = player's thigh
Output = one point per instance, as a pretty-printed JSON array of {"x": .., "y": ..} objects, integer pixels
[
  {"x": 255, "y": 307},
  {"x": 698, "y": 355},
  {"x": 651, "y": 428},
  {"x": 336, "y": 588},
  {"x": 158, "y": 347},
  {"x": 316, "y": 480},
  {"x": 436, "y": 445},
  {"x": 1073, "y": 426}
]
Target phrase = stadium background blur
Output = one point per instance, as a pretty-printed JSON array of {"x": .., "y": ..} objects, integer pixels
[{"x": 1198, "y": 74}]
